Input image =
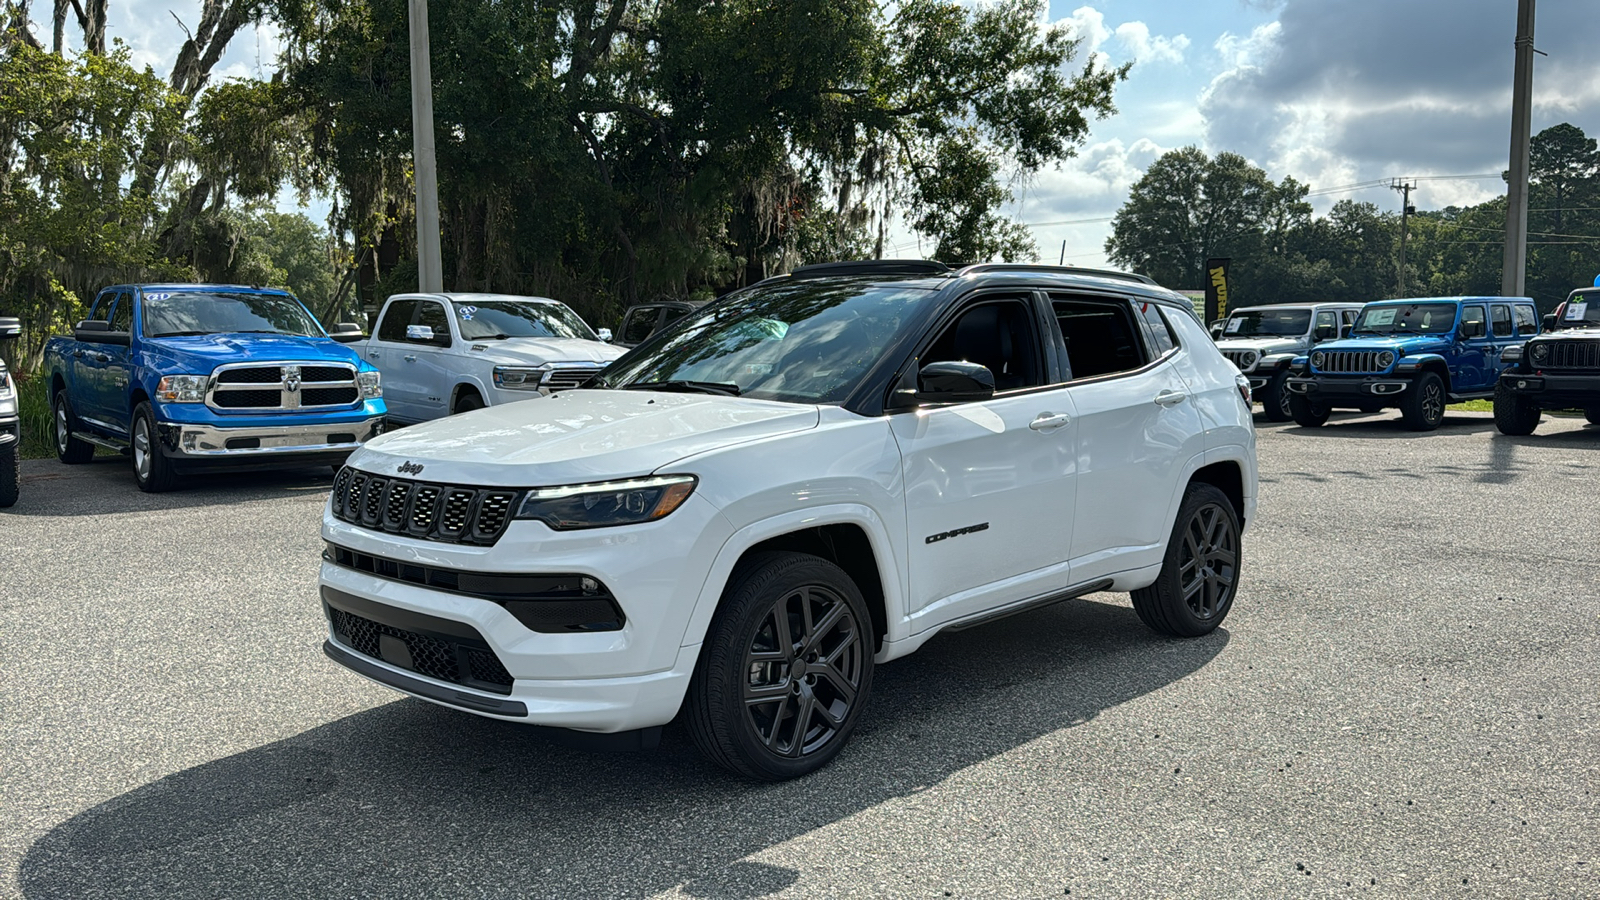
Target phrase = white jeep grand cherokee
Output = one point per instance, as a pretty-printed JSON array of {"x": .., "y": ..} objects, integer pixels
[{"x": 810, "y": 477}]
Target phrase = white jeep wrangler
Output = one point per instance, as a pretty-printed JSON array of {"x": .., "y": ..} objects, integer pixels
[{"x": 807, "y": 478}]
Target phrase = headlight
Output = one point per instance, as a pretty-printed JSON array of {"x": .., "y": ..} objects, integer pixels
[
  {"x": 1385, "y": 359},
  {"x": 5, "y": 383},
  {"x": 371, "y": 384},
  {"x": 1316, "y": 359},
  {"x": 517, "y": 378},
  {"x": 1511, "y": 354},
  {"x": 182, "y": 388},
  {"x": 607, "y": 503},
  {"x": 1247, "y": 361},
  {"x": 1540, "y": 353}
]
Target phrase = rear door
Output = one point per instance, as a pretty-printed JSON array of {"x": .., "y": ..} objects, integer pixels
[
  {"x": 1502, "y": 334},
  {"x": 1474, "y": 346}
]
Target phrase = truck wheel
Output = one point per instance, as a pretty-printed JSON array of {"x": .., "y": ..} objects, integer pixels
[
  {"x": 69, "y": 449},
  {"x": 10, "y": 473},
  {"x": 1422, "y": 407},
  {"x": 1200, "y": 572},
  {"x": 1276, "y": 398},
  {"x": 467, "y": 402},
  {"x": 151, "y": 468},
  {"x": 1514, "y": 414},
  {"x": 1593, "y": 415},
  {"x": 785, "y": 669},
  {"x": 1307, "y": 413}
]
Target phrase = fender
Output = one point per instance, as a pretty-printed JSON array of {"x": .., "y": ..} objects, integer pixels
[
  {"x": 1275, "y": 361},
  {"x": 798, "y": 520},
  {"x": 469, "y": 379},
  {"x": 1412, "y": 364}
]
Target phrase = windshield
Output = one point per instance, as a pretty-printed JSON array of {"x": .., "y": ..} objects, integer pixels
[
  {"x": 1581, "y": 309},
  {"x": 484, "y": 320},
  {"x": 1278, "y": 322},
  {"x": 1413, "y": 318},
  {"x": 176, "y": 313},
  {"x": 796, "y": 341}
]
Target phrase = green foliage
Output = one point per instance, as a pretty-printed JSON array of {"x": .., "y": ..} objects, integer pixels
[{"x": 33, "y": 410}]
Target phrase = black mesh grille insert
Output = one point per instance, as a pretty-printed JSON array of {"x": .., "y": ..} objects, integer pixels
[
  {"x": 443, "y": 657},
  {"x": 248, "y": 399},
  {"x": 325, "y": 373},
  {"x": 337, "y": 396},
  {"x": 435, "y": 512},
  {"x": 254, "y": 375}
]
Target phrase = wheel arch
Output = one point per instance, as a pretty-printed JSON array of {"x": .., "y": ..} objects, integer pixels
[
  {"x": 466, "y": 386},
  {"x": 1228, "y": 477}
]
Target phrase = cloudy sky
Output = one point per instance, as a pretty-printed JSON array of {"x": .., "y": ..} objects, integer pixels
[{"x": 1333, "y": 93}]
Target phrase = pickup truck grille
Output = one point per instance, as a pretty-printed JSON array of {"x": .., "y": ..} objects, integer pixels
[
  {"x": 1350, "y": 362},
  {"x": 566, "y": 378},
  {"x": 1245, "y": 360},
  {"x": 432, "y": 512},
  {"x": 1573, "y": 355},
  {"x": 258, "y": 388}
]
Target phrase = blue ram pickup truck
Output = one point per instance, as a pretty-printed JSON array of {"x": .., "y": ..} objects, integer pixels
[
  {"x": 1419, "y": 355},
  {"x": 183, "y": 377}
]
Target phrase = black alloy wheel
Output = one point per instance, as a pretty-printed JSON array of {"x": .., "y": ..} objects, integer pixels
[
  {"x": 1422, "y": 408},
  {"x": 1200, "y": 571},
  {"x": 785, "y": 670},
  {"x": 1277, "y": 399}
]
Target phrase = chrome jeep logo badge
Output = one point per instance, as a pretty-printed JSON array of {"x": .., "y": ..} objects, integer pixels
[
  {"x": 291, "y": 378},
  {"x": 409, "y": 468}
]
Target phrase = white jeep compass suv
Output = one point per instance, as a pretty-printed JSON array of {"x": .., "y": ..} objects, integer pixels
[{"x": 810, "y": 477}]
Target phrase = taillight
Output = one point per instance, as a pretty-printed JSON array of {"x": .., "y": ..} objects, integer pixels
[{"x": 1244, "y": 387}]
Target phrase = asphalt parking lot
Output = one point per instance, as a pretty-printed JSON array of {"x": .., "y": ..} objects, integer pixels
[{"x": 1404, "y": 702}]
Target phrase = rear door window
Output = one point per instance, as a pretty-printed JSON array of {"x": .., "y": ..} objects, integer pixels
[
  {"x": 1102, "y": 336},
  {"x": 1500, "y": 317}
]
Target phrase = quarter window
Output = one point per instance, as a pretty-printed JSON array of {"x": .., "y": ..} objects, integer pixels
[
  {"x": 998, "y": 335},
  {"x": 1500, "y": 317},
  {"x": 395, "y": 320},
  {"x": 1159, "y": 330},
  {"x": 1101, "y": 336}
]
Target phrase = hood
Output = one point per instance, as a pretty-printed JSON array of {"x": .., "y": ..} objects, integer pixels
[
  {"x": 1588, "y": 332},
  {"x": 578, "y": 436},
  {"x": 1262, "y": 345},
  {"x": 532, "y": 351},
  {"x": 1410, "y": 343},
  {"x": 203, "y": 352}
]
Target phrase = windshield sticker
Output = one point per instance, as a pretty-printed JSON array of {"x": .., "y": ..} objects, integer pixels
[
  {"x": 1576, "y": 311},
  {"x": 1233, "y": 325},
  {"x": 1380, "y": 317},
  {"x": 157, "y": 296},
  {"x": 465, "y": 313}
]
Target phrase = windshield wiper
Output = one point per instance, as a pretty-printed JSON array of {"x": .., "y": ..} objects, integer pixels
[
  {"x": 180, "y": 334},
  {"x": 726, "y": 389}
]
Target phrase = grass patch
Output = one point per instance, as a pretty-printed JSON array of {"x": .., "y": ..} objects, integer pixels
[
  {"x": 1473, "y": 406},
  {"x": 33, "y": 408}
]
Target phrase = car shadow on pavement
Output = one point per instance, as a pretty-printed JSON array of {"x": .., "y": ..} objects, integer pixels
[
  {"x": 1378, "y": 426},
  {"x": 106, "y": 486},
  {"x": 413, "y": 800}
]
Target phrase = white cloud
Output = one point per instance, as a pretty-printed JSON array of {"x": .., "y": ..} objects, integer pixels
[{"x": 1136, "y": 39}]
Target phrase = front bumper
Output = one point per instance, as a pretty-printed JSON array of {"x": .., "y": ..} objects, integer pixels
[
  {"x": 206, "y": 442},
  {"x": 1555, "y": 391},
  {"x": 10, "y": 433},
  {"x": 625, "y": 679},
  {"x": 1364, "y": 390}
]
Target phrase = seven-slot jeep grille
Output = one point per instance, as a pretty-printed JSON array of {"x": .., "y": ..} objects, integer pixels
[
  {"x": 435, "y": 512},
  {"x": 1350, "y": 362},
  {"x": 1572, "y": 355},
  {"x": 1244, "y": 360}
]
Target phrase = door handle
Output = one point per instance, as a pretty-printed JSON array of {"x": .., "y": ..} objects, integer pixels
[
  {"x": 1170, "y": 398},
  {"x": 373, "y": 354},
  {"x": 1049, "y": 421},
  {"x": 101, "y": 357},
  {"x": 77, "y": 354},
  {"x": 409, "y": 358}
]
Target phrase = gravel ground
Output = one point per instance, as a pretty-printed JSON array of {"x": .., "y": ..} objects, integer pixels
[{"x": 1403, "y": 703}]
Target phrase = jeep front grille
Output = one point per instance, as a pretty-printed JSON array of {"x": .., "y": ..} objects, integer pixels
[
  {"x": 1358, "y": 362},
  {"x": 566, "y": 378},
  {"x": 1572, "y": 355},
  {"x": 433, "y": 512},
  {"x": 257, "y": 388},
  {"x": 1245, "y": 360}
]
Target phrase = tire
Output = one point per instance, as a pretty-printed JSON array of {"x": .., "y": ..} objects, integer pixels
[
  {"x": 1422, "y": 407},
  {"x": 69, "y": 449},
  {"x": 1306, "y": 413},
  {"x": 467, "y": 402},
  {"x": 1513, "y": 414},
  {"x": 1593, "y": 415},
  {"x": 1200, "y": 572},
  {"x": 1277, "y": 399},
  {"x": 151, "y": 469},
  {"x": 748, "y": 728},
  {"x": 10, "y": 473}
]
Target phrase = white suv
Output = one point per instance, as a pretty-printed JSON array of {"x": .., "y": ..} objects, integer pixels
[{"x": 805, "y": 479}]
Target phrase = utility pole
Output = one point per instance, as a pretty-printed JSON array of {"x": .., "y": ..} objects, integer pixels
[
  {"x": 1406, "y": 212},
  {"x": 430, "y": 267},
  {"x": 1514, "y": 272}
]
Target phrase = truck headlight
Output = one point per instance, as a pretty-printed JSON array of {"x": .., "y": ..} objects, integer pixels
[
  {"x": 182, "y": 388},
  {"x": 607, "y": 503},
  {"x": 5, "y": 383},
  {"x": 517, "y": 378},
  {"x": 371, "y": 384},
  {"x": 1316, "y": 359},
  {"x": 1540, "y": 352},
  {"x": 1385, "y": 359}
]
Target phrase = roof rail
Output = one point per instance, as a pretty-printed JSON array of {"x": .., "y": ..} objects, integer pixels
[
  {"x": 872, "y": 267},
  {"x": 1066, "y": 270}
]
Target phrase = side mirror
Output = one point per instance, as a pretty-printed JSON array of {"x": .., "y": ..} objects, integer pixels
[
  {"x": 954, "y": 382},
  {"x": 95, "y": 331},
  {"x": 346, "y": 332},
  {"x": 422, "y": 333},
  {"x": 1325, "y": 333},
  {"x": 10, "y": 327},
  {"x": 1549, "y": 322},
  {"x": 605, "y": 335},
  {"x": 1216, "y": 329}
]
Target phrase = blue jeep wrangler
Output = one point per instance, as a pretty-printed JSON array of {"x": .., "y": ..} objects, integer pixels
[{"x": 1418, "y": 355}]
